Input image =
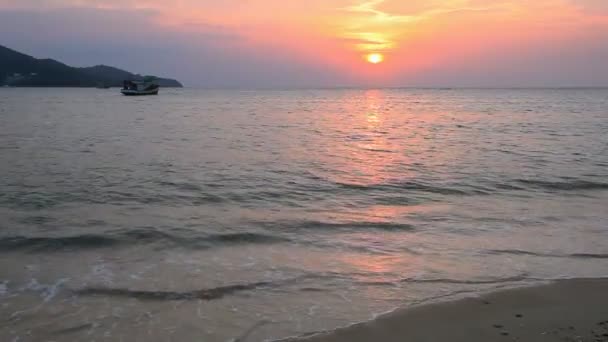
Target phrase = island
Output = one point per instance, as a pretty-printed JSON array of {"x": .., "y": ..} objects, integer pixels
[{"x": 21, "y": 70}]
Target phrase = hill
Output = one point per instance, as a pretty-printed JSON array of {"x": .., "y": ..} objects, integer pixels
[
  {"x": 20, "y": 70},
  {"x": 114, "y": 76}
]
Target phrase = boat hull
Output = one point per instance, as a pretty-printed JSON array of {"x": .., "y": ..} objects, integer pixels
[{"x": 128, "y": 92}]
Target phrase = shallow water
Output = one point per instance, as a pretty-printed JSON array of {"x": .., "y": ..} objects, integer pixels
[{"x": 252, "y": 215}]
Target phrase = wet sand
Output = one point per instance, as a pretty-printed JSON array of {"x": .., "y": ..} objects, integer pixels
[{"x": 568, "y": 310}]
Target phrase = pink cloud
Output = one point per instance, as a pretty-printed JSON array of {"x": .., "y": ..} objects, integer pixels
[{"x": 433, "y": 38}]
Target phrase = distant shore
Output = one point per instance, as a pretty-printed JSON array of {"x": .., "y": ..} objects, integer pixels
[
  {"x": 20, "y": 70},
  {"x": 567, "y": 310}
]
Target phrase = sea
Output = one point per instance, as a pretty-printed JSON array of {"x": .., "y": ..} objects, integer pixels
[{"x": 256, "y": 215}]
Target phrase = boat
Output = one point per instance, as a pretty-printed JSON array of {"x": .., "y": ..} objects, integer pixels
[
  {"x": 101, "y": 85},
  {"x": 137, "y": 88}
]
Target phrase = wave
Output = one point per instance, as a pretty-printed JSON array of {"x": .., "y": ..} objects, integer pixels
[
  {"x": 564, "y": 186},
  {"x": 513, "y": 279},
  {"x": 548, "y": 255},
  {"x": 354, "y": 276},
  {"x": 413, "y": 186},
  {"x": 469, "y": 189},
  {"x": 204, "y": 294},
  {"x": 316, "y": 189},
  {"x": 515, "y": 252},
  {"x": 320, "y": 225},
  {"x": 589, "y": 255},
  {"x": 220, "y": 292},
  {"x": 51, "y": 243},
  {"x": 45, "y": 200},
  {"x": 136, "y": 236},
  {"x": 36, "y": 220},
  {"x": 188, "y": 238},
  {"x": 398, "y": 200}
]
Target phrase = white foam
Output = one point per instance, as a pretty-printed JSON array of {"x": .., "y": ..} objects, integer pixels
[
  {"x": 101, "y": 272},
  {"x": 47, "y": 292},
  {"x": 3, "y": 288},
  {"x": 52, "y": 290}
]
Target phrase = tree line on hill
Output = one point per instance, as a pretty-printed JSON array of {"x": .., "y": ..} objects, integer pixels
[{"x": 20, "y": 70}]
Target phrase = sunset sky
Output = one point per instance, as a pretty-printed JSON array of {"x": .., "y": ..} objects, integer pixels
[{"x": 278, "y": 43}]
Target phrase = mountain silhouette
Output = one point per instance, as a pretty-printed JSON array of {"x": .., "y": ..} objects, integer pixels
[{"x": 20, "y": 70}]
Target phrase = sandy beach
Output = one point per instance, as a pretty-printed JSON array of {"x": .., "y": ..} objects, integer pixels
[{"x": 568, "y": 310}]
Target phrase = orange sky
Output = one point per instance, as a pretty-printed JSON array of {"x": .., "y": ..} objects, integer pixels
[{"x": 414, "y": 36}]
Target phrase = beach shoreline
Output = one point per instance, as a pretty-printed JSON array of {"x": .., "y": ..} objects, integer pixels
[
  {"x": 258, "y": 215},
  {"x": 563, "y": 310}
]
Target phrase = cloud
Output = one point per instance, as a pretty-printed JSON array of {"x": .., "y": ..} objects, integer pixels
[
  {"x": 211, "y": 55},
  {"x": 319, "y": 42},
  {"x": 594, "y": 7}
]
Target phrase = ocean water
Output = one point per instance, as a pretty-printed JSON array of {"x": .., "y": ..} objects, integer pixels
[{"x": 208, "y": 215}]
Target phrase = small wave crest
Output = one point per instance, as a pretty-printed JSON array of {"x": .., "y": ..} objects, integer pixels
[
  {"x": 472, "y": 188},
  {"x": 130, "y": 237},
  {"x": 589, "y": 255},
  {"x": 565, "y": 185},
  {"x": 513, "y": 279},
  {"x": 204, "y": 294},
  {"x": 53, "y": 243},
  {"x": 517, "y": 278},
  {"x": 413, "y": 186},
  {"x": 332, "y": 226},
  {"x": 549, "y": 255}
]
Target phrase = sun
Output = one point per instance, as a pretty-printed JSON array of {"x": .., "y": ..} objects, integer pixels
[{"x": 375, "y": 58}]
